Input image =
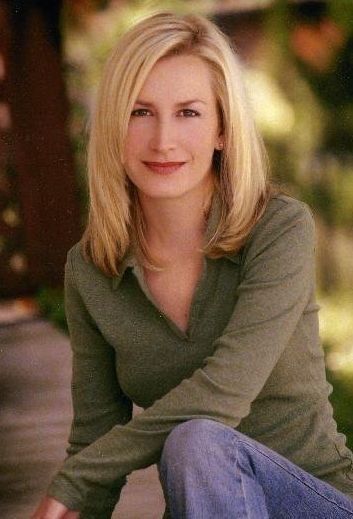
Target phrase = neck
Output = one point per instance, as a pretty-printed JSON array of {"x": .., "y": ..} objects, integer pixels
[{"x": 175, "y": 227}]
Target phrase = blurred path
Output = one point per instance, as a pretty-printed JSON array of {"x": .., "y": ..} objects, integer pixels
[{"x": 35, "y": 415}]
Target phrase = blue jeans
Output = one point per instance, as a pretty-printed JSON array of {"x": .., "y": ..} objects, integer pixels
[{"x": 211, "y": 471}]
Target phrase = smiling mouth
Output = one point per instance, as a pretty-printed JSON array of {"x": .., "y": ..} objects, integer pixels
[{"x": 164, "y": 167}]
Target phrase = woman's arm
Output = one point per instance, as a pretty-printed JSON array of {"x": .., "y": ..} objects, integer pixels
[
  {"x": 277, "y": 282},
  {"x": 98, "y": 403}
]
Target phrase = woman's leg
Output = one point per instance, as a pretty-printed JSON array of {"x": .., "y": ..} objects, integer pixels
[{"x": 209, "y": 470}]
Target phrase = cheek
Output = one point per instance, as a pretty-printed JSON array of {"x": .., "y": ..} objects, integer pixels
[
  {"x": 136, "y": 136},
  {"x": 203, "y": 144},
  {"x": 197, "y": 137},
  {"x": 133, "y": 144},
  {"x": 204, "y": 135}
]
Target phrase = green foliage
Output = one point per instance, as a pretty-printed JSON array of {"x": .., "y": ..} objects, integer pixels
[
  {"x": 51, "y": 305},
  {"x": 342, "y": 12},
  {"x": 317, "y": 150},
  {"x": 341, "y": 399},
  {"x": 329, "y": 191}
]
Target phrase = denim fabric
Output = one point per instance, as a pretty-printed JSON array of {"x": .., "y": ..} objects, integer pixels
[{"x": 209, "y": 470}]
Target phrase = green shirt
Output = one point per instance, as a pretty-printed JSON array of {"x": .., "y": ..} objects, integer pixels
[{"x": 251, "y": 359}]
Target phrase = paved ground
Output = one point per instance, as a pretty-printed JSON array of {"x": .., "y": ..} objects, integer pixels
[{"x": 35, "y": 414}]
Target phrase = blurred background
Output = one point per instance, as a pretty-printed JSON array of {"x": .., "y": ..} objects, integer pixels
[{"x": 298, "y": 60}]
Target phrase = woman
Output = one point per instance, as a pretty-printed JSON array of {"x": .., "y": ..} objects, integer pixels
[{"x": 192, "y": 295}]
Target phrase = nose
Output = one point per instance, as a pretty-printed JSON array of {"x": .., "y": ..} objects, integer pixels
[{"x": 163, "y": 137}]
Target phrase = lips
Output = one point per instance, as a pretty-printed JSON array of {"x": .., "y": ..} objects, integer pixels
[{"x": 164, "y": 168}]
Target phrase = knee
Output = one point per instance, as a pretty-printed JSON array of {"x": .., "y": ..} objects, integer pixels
[
  {"x": 201, "y": 448},
  {"x": 193, "y": 440}
]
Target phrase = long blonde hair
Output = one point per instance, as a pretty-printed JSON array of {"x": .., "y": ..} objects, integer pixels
[{"x": 115, "y": 221}]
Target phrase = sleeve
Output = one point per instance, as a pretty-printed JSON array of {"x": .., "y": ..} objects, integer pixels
[
  {"x": 98, "y": 402},
  {"x": 274, "y": 291}
]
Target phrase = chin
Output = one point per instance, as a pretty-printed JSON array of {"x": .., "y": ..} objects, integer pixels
[
  {"x": 163, "y": 194},
  {"x": 174, "y": 188}
]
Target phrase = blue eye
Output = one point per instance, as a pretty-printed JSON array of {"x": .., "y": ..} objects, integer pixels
[
  {"x": 187, "y": 112},
  {"x": 140, "y": 112}
]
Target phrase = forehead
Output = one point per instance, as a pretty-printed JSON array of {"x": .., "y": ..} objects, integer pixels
[{"x": 176, "y": 76}]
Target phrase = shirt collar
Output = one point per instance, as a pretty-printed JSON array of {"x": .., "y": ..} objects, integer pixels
[{"x": 129, "y": 260}]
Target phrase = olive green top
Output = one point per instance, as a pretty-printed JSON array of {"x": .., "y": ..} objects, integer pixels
[{"x": 251, "y": 359}]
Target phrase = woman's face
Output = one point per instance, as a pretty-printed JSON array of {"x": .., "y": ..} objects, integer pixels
[{"x": 173, "y": 130}]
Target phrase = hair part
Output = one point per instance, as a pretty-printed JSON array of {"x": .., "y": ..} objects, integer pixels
[{"x": 115, "y": 221}]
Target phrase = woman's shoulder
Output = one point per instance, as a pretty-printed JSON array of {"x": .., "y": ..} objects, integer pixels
[
  {"x": 84, "y": 271},
  {"x": 75, "y": 259},
  {"x": 282, "y": 206},
  {"x": 286, "y": 221},
  {"x": 282, "y": 211}
]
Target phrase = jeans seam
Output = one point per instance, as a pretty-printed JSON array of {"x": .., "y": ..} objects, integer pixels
[
  {"x": 234, "y": 457},
  {"x": 253, "y": 447}
]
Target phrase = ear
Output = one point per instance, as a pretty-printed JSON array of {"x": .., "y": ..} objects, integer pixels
[{"x": 220, "y": 143}]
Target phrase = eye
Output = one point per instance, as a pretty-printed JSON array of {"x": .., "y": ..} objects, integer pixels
[
  {"x": 140, "y": 112},
  {"x": 187, "y": 112}
]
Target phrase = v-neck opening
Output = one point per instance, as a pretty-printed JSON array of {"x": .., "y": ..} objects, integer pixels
[{"x": 194, "y": 306}]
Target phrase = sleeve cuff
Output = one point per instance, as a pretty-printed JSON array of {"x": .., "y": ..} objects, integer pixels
[{"x": 97, "y": 504}]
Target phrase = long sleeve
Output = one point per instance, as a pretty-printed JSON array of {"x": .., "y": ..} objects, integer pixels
[
  {"x": 276, "y": 282},
  {"x": 98, "y": 402}
]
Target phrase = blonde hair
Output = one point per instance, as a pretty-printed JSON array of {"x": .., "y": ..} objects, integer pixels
[{"x": 115, "y": 221}]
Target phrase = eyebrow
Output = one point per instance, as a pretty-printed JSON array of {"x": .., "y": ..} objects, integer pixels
[{"x": 181, "y": 103}]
